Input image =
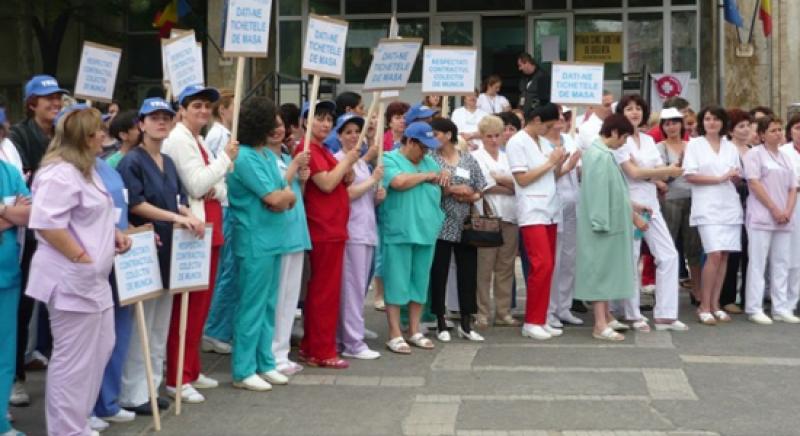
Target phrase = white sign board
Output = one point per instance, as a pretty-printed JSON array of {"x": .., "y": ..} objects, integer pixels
[
  {"x": 184, "y": 62},
  {"x": 190, "y": 262},
  {"x": 449, "y": 70},
  {"x": 392, "y": 62},
  {"x": 247, "y": 28},
  {"x": 323, "y": 52},
  {"x": 97, "y": 73},
  {"x": 577, "y": 83},
  {"x": 137, "y": 271}
]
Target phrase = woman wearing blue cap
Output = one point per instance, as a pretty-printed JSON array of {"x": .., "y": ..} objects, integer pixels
[
  {"x": 410, "y": 220},
  {"x": 203, "y": 177},
  {"x": 31, "y": 136},
  {"x": 74, "y": 216},
  {"x": 155, "y": 196},
  {"x": 364, "y": 192}
]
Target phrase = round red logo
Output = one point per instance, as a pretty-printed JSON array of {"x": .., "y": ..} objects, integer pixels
[{"x": 668, "y": 86}]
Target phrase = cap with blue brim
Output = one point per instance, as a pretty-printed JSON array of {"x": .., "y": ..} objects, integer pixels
[
  {"x": 70, "y": 109},
  {"x": 419, "y": 112},
  {"x": 192, "y": 90},
  {"x": 43, "y": 85},
  {"x": 155, "y": 104},
  {"x": 422, "y": 132}
]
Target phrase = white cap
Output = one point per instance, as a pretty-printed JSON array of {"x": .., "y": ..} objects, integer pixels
[{"x": 670, "y": 114}]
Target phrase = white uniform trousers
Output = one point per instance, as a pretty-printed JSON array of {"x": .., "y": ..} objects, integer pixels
[
  {"x": 157, "y": 314},
  {"x": 288, "y": 294},
  {"x": 663, "y": 249},
  {"x": 775, "y": 246},
  {"x": 563, "y": 286},
  {"x": 793, "y": 290}
]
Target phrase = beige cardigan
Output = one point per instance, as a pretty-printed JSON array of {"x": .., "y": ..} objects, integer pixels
[{"x": 197, "y": 177}]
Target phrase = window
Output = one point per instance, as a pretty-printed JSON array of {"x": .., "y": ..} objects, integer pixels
[
  {"x": 368, "y": 6},
  {"x": 598, "y": 38},
  {"x": 683, "y": 2},
  {"x": 503, "y": 39},
  {"x": 639, "y": 3},
  {"x": 413, "y": 6},
  {"x": 290, "y": 47},
  {"x": 323, "y": 7},
  {"x": 289, "y": 7},
  {"x": 646, "y": 42},
  {"x": 362, "y": 37},
  {"x": 479, "y": 5},
  {"x": 684, "y": 42},
  {"x": 577, "y": 4}
]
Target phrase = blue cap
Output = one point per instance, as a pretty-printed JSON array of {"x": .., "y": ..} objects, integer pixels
[
  {"x": 332, "y": 140},
  {"x": 3, "y": 118},
  {"x": 155, "y": 104},
  {"x": 69, "y": 109},
  {"x": 329, "y": 104},
  {"x": 418, "y": 112},
  {"x": 191, "y": 90},
  {"x": 422, "y": 132},
  {"x": 43, "y": 85}
]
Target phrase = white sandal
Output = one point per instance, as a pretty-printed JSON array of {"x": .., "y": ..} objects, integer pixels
[
  {"x": 608, "y": 334},
  {"x": 619, "y": 326},
  {"x": 398, "y": 345},
  {"x": 722, "y": 316},
  {"x": 419, "y": 340}
]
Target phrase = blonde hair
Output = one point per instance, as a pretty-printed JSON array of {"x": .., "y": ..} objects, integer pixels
[
  {"x": 490, "y": 124},
  {"x": 225, "y": 100},
  {"x": 70, "y": 142}
]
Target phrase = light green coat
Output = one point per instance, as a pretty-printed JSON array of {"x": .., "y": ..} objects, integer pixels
[{"x": 605, "y": 230}]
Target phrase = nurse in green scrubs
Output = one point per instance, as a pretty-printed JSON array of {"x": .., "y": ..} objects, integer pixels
[
  {"x": 258, "y": 198},
  {"x": 410, "y": 219}
]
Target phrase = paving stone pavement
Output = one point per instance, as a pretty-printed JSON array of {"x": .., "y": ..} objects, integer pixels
[{"x": 738, "y": 379}]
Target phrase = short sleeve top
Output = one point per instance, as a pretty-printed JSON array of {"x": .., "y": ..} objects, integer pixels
[
  {"x": 502, "y": 205},
  {"x": 644, "y": 155},
  {"x": 64, "y": 199},
  {"x": 719, "y": 203},
  {"x": 465, "y": 172},
  {"x": 678, "y": 187},
  {"x": 412, "y": 216},
  {"x": 11, "y": 185},
  {"x": 776, "y": 174},
  {"x": 296, "y": 237},
  {"x": 327, "y": 213},
  {"x": 538, "y": 202},
  {"x": 362, "y": 227}
]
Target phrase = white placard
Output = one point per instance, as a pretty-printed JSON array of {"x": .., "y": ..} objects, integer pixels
[
  {"x": 577, "y": 83},
  {"x": 137, "y": 271},
  {"x": 190, "y": 261},
  {"x": 97, "y": 73},
  {"x": 323, "y": 52},
  {"x": 184, "y": 62},
  {"x": 247, "y": 28},
  {"x": 551, "y": 48},
  {"x": 449, "y": 70},
  {"x": 392, "y": 62}
]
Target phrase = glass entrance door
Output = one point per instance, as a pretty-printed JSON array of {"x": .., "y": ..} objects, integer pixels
[
  {"x": 463, "y": 31},
  {"x": 551, "y": 39}
]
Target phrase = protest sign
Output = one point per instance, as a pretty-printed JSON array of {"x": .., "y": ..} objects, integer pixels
[
  {"x": 137, "y": 271},
  {"x": 449, "y": 70},
  {"x": 184, "y": 62},
  {"x": 577, "y": 83},
  {"x": 247, "y": 28},
  {"x": 392, "y": 62},
  {"x": 190, "y": 261},
  {"x": 97, "y": 73},
  {"x": 323, "y": 55}
]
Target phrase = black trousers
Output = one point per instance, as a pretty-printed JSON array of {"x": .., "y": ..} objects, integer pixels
[
  {"x": 466, "y": 276},
  {"x": 25, "y": 310},
  {"x": 730, "y": 287}
]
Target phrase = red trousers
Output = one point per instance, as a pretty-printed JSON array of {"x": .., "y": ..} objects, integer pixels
[
  {"x": 648, "y": 266},
  {"x": 321, "y": 307},
  {"x": 540, "y": 246},
  {"x": 199, "y": 303}
]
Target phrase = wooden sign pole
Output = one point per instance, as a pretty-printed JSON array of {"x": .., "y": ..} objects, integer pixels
[
  {"x": 445, "y": 107},
  {"x": 312, "y": 109},
  {"x": 181, "y": 350},
  {"x": 376, "y": 96},
  {"x": 379, "y": 132},
  {"x": 148, "y": 365},
  {"x": 237, "y": 97}
]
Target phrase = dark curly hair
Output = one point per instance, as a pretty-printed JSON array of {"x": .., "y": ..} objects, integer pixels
[
  {"x": 638, "y": 101},
  {"x": 256, "y": 121},
  {"x": 719, "y": 113}
]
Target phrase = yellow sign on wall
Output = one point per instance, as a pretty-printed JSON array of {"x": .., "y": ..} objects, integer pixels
[{"x": 598, "y": 47}]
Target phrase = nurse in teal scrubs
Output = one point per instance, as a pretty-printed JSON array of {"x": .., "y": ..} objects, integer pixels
[
  {"x": 410, "y": 218},
  {"x": 258, "y": 198},
  {"x": 15, "y": 208}
]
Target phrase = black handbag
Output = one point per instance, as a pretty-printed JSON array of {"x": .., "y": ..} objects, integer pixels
[{"x": 482, "y": 231}]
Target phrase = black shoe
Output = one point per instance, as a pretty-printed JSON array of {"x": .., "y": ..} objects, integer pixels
[
  {"x": 144, "y": 408},
  {"x": 577, "y": 306}
]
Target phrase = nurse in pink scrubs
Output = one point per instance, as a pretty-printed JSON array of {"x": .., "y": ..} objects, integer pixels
[{"x": 74, "y": 216}]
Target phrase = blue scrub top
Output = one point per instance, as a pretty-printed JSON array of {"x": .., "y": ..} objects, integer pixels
[
  {"x": 11, "y": 185},
  {"x": 147, "y": 183},
  {"x": 115, "y": 187},
  {"x": 296, "y": 237}
]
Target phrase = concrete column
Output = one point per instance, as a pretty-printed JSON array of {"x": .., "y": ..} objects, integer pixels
[{"x": 787, "y": 55}]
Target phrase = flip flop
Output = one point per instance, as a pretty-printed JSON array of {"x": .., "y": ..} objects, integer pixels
[
  {"x": 608, "y": 334},
  {"x": 419, "y": 340},
  {"x": 398, "y": 345}
]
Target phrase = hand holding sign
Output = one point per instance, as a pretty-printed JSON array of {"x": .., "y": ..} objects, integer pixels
[{"x": 97, "y": 73}]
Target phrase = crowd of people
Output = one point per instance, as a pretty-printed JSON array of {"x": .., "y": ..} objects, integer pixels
[{"x": 591, "y": 208}]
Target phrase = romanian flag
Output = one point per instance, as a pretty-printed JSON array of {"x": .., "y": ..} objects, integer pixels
[
  {"x": 765, "y": 15},
  {"x": 167, "y": 18}
]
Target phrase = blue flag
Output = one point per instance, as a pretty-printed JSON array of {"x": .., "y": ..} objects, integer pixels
[{"x": 732, "y": 13}]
